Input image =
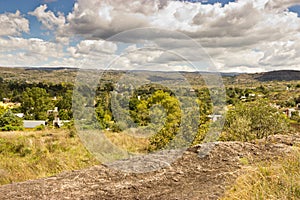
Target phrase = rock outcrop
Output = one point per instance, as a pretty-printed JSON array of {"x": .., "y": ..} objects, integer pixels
[{"x": 192, "y": 176}]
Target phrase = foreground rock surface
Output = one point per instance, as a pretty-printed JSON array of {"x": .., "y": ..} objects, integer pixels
[{"x": 192, "y": 176}]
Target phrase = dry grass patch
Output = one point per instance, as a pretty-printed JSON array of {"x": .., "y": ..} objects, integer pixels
[
  {"x": 129, "y": 142},
  {"x": 30, "y": 155},
  {"x": 278, "y": 179}
]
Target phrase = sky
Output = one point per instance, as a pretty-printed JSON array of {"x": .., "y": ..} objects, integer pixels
[{"x": 232, "y": 36}]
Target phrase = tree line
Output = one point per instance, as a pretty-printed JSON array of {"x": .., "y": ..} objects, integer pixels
[{"x": 153, "y": 108}]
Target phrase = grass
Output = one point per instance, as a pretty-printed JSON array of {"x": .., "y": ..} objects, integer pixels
[
  {"x": 128, "y": 141},
  {"x": 278, "y": 179},
  {"x": 34, "y": 154}
]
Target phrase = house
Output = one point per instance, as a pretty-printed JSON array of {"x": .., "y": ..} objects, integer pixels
[
  {"x": 243, "y": 98},
  {"x": 290, "y": 111},
  {"x": 33, "y": 123},
  {"x": 6, "y": 100},
  {"x": 54, "y": 112},
  {"x": 9, "y": 105},
  {"x": 20, "y": 115},
  {"x": 275, "y": 106},
  {"x": 57, "y": 122},
  {"x": 214, "y": 118}
]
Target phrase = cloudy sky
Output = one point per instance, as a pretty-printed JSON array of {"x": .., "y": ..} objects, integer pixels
[{"x": 234, "y": 36}]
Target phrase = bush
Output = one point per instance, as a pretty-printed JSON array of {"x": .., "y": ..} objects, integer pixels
[
  {"x": 119, "y": 126},
  {"x": 10, "y": 122},
  {"x": 39, "y": 127},
  {"x": 72, "y": 133},
  {"x": 253, "y": 120},
  {"x": 11, "y": 128}
]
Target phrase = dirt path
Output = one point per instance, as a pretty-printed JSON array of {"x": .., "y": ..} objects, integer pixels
[{"x": 190, "y": 177}]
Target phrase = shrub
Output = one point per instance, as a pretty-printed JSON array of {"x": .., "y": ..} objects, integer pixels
[
  {"x": 11, "y": 128},
  {"x": 253, "y": 120},
  {"x": 39, "y": 127},
  {"x": 10, "y": 122}
]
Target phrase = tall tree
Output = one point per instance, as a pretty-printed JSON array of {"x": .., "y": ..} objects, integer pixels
[{"x": 35, "y": 103}]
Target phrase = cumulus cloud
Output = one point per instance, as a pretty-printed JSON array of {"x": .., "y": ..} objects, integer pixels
[
  {"x": 95, "y": 47},
  {"x": 255, "y": 35},
  {"x": 13, "y": 24},
  {"x": 48, "y": 18},
  {"x": 50, "y": 21},
  {"x": 20, "y": 51},
  {"x": 237, "y": 24},
  {"x": 281, "y": 4}
]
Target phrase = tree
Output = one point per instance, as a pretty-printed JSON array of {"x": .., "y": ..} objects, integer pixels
[
  {"x": 172, "y": 122},
  {"x": 65, "y": 106},
  {"x": 9, "y": 122},
  {"x": 35, "y": 103},
  {"x": 253, "y": 120}
]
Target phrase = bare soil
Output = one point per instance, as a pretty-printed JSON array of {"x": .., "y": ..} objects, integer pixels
[{"x": 192, "y": 176}]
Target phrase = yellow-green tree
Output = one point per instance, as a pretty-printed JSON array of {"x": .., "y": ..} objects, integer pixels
[
  {"x": 253, "y": 120},
  {"x": 172, "y": 121}
]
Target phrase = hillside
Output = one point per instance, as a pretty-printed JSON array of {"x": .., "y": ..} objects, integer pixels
[
  {"x": 60, "y": 74},
  {"x": 31, "y": 74},
  {"x": 282, "y": 75},
  {"x": 190, "y": 177}
]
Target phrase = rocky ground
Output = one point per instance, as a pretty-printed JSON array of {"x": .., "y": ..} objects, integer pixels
[{"x": 193, "y": 176}]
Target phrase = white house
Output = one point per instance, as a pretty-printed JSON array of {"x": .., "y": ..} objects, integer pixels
[
  {"x": 214, "y": 118},
  {"x": 33, "y": 123}
]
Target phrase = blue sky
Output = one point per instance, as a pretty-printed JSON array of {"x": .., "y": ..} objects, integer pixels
[
  {"x": 295, "y": 9},
  {"x": 26, "y": 6},
  {"x": 242, "y": 35},
  {"x": 64, "y": 6}
]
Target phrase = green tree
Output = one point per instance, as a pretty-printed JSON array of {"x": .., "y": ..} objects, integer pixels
[
  {"x": 253, "y": 120},
  {"x": 65, "y": 106},
  {"x": 9, "y": 122},
  {"x": 35, "y": 103}
]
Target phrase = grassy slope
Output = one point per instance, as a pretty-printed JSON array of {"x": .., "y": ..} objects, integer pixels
[
  {"x": 30, "y": 155},
  {"x": 279, "y": 179}
]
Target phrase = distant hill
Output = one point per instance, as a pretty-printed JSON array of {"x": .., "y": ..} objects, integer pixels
[
  {"x": 282, "y": 75},
  {"x": 64, "y": 74}
]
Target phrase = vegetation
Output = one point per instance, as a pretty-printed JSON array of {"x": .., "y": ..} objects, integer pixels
[
  {"x": 10, "y": 122},
  {"x": 35, "y": 154},
  {"x": 269, "y": 180},
  {"x": 35, "y": 103},
  {"x": 253, "y": 120},
  {"x": 150, "y": 118}
]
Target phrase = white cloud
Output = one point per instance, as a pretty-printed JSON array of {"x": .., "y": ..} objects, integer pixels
[
  {"x": 33, "y": 51},
  {"x": 52, "y": 22},
  {"x": 281, "y": 5},
  {"x": 94, "y": 49},
  {"x": 48, "y": 19},
  {"x": 255, "y": 35},
  {"x": 13, "y": 24},
  {"x": 230, "y": 33}
]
